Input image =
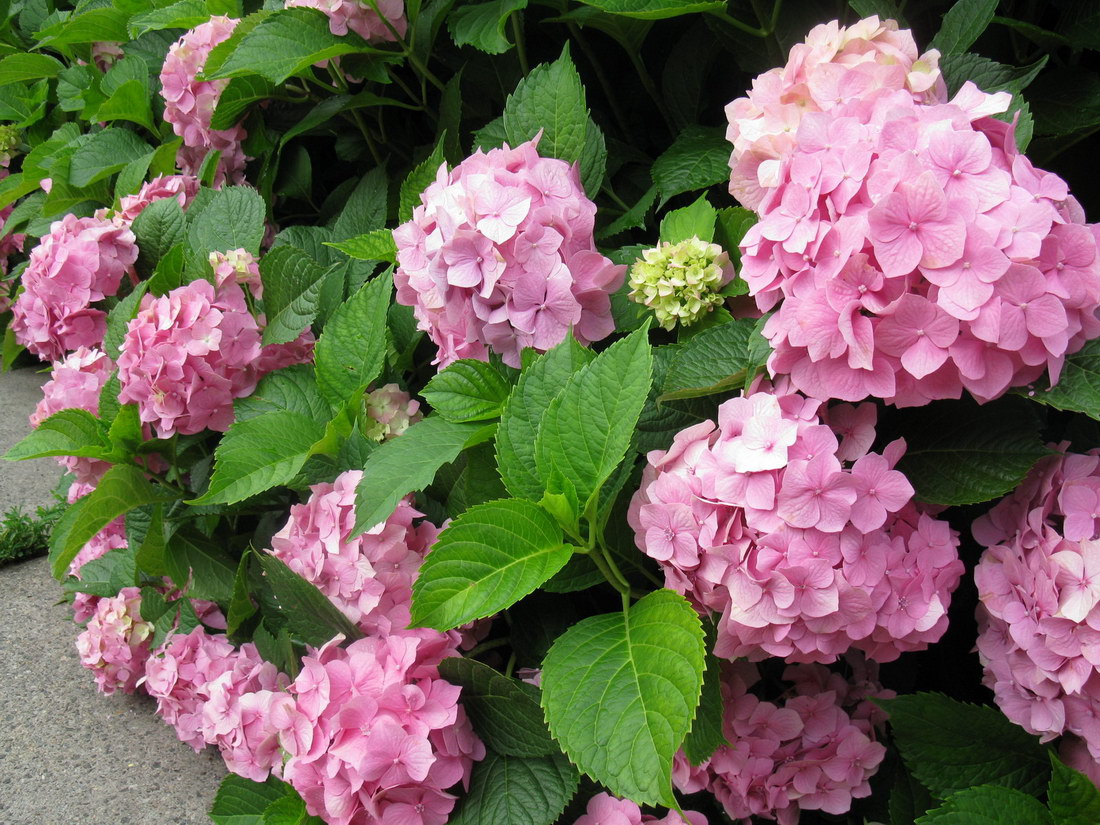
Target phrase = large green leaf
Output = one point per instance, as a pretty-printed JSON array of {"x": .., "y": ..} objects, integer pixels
[
  {"x": 104, "y": 153},
  {"x": 292, "y": 388},
  {"x": 236, "y": 97},
  {"x": 551, "y": 100},
  {"x": 482, "y": 25},
  {"x": 406, "y": 464},
  {"x": 467, "y": 390},
  {"x": 1078, "y": 387},
  {"x": 160, "y": 226},
  {"x": 655, "y": 9},
  {"x": 620, "y": 691},
  {"x": 199, "y": 566},
  {"x": 260, "y": 453},
  {"x": 706, "y": 736},
  {"x": 958, "y": 455},
  {"x": 489, "y": 558},
  {"x": 292, "y": 292},
  {"x": 1073, "y": 798},
  {"x": 352, "y": 349},
  {"x": 241, "y": 801},
  {"x": 285, "y": 43},
  {"x": 309, "y": 614},
  {"x": 504, "y": 715},
  {"x": 523, "y": 411},
  {"x": 724, "y": 358},
  {"x": 508, "y": 790},
  {"x": 989, "y": 805},
  {"x": 587, "y": 428},
  {"x": 72, "y": 432},
  {"x": 123, "y": 488},
  {"x": 963, "y": 24},
  {"x": 698, "y": 158},
  {"x": 16, "y": 68},
  {"x": 376, "y": 245},
  {"x": 950, "y": 745}
]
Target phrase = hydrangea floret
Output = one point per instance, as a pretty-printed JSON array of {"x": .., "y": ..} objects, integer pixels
[
  {"x": 805, "y": 545},
  {"x": 378, "y": 21},
  {"x": 681, "y": 282},
  {"x": 500, "y": 255},
  {"x": 181, "y": 187},
  {"x": 115, "y": 643},
  {"x": 1039, "y": 585}
]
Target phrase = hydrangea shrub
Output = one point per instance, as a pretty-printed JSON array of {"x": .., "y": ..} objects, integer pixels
[{"x": 503, "y": 413}]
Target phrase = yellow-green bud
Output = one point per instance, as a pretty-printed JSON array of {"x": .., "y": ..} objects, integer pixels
[
  {"x": 680, "y": 282},
  {"x": 9, "y": 142}
]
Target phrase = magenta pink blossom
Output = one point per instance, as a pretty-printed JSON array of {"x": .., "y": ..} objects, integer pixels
[
  {"x": 115, "y": 643},
  {"x": 181, "y": 187},
  {"x": 360, "y": 17}
]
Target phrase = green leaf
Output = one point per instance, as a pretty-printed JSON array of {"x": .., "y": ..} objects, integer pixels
[
  {"x": 706, "y": 736},
  {"x": 406, "y": 464},
  {"x": 950, "y": 745},
  {"x": 16, "y": 68},
  {"x": 698, "y": 158},
  {"x": 159, "y": 226},
  {"x": 989, "y": 805},
  {"x": 97, "y": 25},
  {"x": 186, "y": 14},
  {"x": 119, "y": 318},
  {"x": 1066, "y": 101},
  {"x": 103, "y": 154},
  {"x": 260, "y": 453},
  {"x": 482, "y": 25},
  {"x": 200, "y": 567},
  {"x": 957, "y": 456},
  {"x": 625, "y": 738},
  {"x": 106, "y": 575},
  {"x": 909, "y": 799},
  {"x": 696, "y": 220},
  {"x": 241, "y": 801},
  {"x": 285, "y": 43},
  {"x": 232, "y": 219},
  {"x": 986, "y": 74},
  {"x": 655, "y": 9},
  {"x": 508, "y": 790},
  {"x": 504, "y": 715},
  {"x": 309, "y": 614},
  {"x": 352, "y": 349},
  {"x": 365, "y": 210},
  {"x": 523, "y": 411},
  {"x": 489, "y": 558},
  {"x": 733, "y": 223},
  {"x": 725, "y": 358},
  {"x": 123, "y": 488},
  {"x": 236, "y": 97},
  {"x": 421, "y": 177},
  {"x": 633, "y": 218},
  {"x": 551, "y": 100},
  {"x": 1078, "y": 387},
  {"x": 72, "y": 432},
  {"x": 963, "y": 24},
  {"x": 1073, "y": 798},
  {"x": 293, "y": 389},
  {"x": 587, "y": 428},
  {"x": 292, "y": 292},
  {"x": 885, "y": 9},
  {"x": 467, "y": 390},
  {"x": 376, "y": 245}
]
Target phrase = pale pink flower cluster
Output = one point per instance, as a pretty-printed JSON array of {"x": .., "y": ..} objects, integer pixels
[
  {"x": 375, "y": 736},
  {"x": 358, "y": 16},
  {"x": 181, "y": 187},
  {"x": 804, "y": 544},
  {"x": 215, "y": 694},
  {"x": 370, "y": 577},
  {"x": 81, "y": 261},
  {"x": 190, "y": 103},
  {"x": 238, "y": 265},
  {"x": 605, "y": 809},
  {"x": 187, "y": 355},
  {"x": 115, "y": 643},
  {"x": 910, "y": 252},
  {"x": 835, "y": 65},
  {"x": 500, "y": 255},
  {"x": 813, "y": 748},
  {"x": 76, "y": 381},
  {"x": 1039, "y": 585},
  {"x": 392, "y": 410}
]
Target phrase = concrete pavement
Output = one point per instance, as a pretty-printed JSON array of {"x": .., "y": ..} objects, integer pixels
[{"x": 68, "y": 755}]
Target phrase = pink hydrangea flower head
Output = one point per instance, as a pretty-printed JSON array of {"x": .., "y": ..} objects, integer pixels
[
  {"x": 812, "y": 748},
  {"x": 187, "y": 355},
  {"x": 360, "y": 17},
  {"x": 370, "y": 577},
  {"x": 911, "y": 253},
  {"x": 499, "y": 255},
  {"x": 605, "y": 809},
  {"x": 79, "y": 263},
  {"x": 115, "y": 643},
  {"x": 237, "y": 266},
  {"x": 181, "y": 187},
  {"x": 392, "y": 410},
  {"x": 835, "y": 65},
  {"x": 190, "y": 103},
  {"x": 804, "y": 548},
  {"x": 76, "y": 381},
  {"x": 1039, "y": 585},
  {"x": 374, "y": 734}
]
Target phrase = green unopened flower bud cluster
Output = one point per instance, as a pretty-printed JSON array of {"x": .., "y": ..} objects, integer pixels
[
  {"x": 9, "y": 143},
  {"x": 681, "y": 282}
]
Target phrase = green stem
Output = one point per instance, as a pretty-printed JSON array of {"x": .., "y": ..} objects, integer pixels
[
  {"x": 492, "y": 644},
  {"x": 650, "y": 87},
  {"x": 609, "y": 93},
  {"x": 424, "y": 70},
  {"x": 521, "y": 46},
  {"x": 511, "y": 665},
  {"x": 737, "y": 24},
  {"x": 342, "y": 85}
]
